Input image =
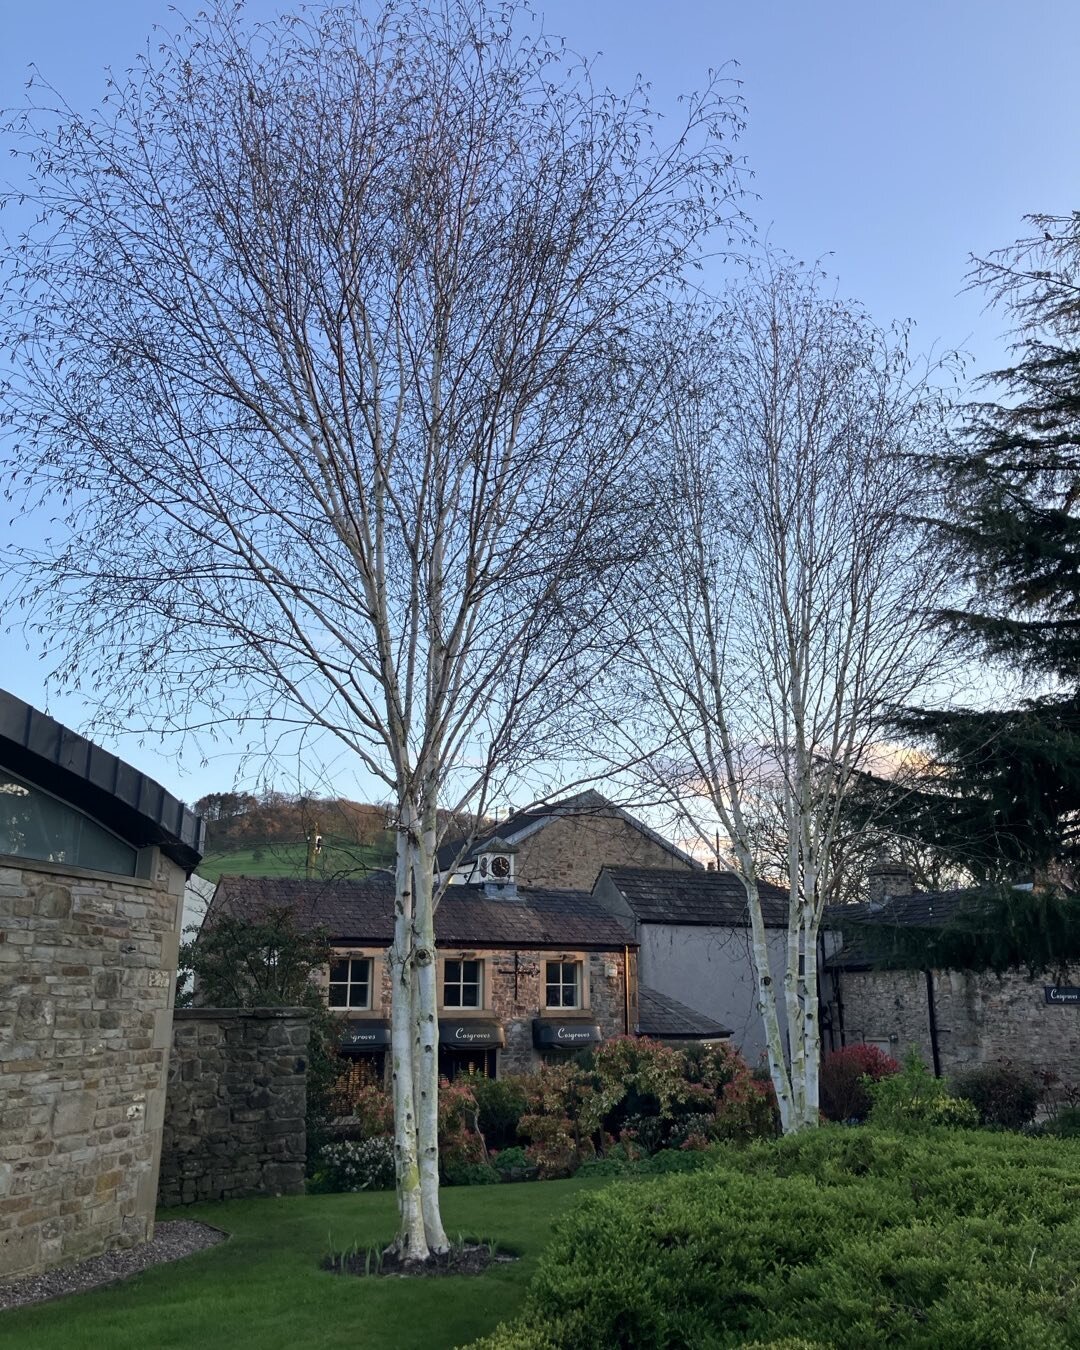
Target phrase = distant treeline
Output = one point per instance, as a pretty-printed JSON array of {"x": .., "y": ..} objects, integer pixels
[{"x": 241, "y": 820}]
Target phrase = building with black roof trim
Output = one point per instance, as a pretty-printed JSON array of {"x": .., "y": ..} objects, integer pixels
[{"x": 93, "y": 860}]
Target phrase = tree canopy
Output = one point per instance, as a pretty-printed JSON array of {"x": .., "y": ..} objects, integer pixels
[{"x": 1001, "y": 794}]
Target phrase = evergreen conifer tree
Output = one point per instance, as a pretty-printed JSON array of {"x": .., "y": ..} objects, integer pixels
[{"x": 1003, "y": 793}]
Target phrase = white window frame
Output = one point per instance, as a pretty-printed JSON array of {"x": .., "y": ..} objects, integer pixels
[
  {"x": 580, "y": 987},
  {"x": 461, "y": 982},
  {"x": 349, "y": 1006}
]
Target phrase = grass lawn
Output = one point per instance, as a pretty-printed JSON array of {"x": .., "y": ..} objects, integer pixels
[
  {"x": 263, "y": 1290},
  {"x": 289, "y": 860}
]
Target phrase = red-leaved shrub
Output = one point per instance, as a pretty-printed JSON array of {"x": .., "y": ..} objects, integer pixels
[{"x": 843, "y": 1080}]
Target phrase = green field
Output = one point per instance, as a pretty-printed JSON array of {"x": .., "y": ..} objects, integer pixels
[
  {"x": 263, "y": 1289},
  {"x": 289, "y": 860}
]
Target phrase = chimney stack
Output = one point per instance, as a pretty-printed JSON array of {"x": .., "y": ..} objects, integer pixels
[{"x": 887, "y": 877}]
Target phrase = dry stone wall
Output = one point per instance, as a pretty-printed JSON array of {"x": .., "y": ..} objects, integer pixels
[
  {"x": 87, "y": 963},
  {"x": 234, "y": 1121}
]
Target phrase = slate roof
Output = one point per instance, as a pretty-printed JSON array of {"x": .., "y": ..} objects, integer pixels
[
  {"x": 919, "y": 909},
  {"x": 363, "y": 912},
  {"x": 667, "y": 1019},
  {"x": 707, "y": 898},
  {"x": 536, "y": 817}
]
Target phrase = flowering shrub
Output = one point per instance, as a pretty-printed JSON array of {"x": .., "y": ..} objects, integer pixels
[
  {"x": 364, "y": 1165},
  {"x": 844, "y": 1080},
  {"x": 648, "y": 1097},
  {"x": 557, "y": 1122},
  {"x": 631, "y": 1095}
]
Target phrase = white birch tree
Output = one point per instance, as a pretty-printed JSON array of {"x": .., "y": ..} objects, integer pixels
[
  {"x": 315, "y": 351},
  {"x": 789, "y": 586}
]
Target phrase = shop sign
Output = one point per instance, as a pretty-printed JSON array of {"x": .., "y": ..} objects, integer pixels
[
  {"x": 365, "y": 1036},
  {"x": 572, "y": 1035},
  {"x": 472, "y": 1035},
  {"x": 1061, "y": 993}
]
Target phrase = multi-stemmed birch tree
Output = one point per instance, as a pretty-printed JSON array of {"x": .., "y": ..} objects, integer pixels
[
  {"x": 316, "y": 352},
  {"x": 789, "y": 583}
]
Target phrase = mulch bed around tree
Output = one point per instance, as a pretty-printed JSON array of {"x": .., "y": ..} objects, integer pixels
[
  {"x": 172, "y": 1240},
  {"x": 467, "y": 1259}
]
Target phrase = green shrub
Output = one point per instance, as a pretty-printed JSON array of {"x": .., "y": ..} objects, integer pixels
[
  {"x": 837, "y": 1237},
  {"x": 667, "y": 1162},
  {"x": 1066, "y": 1124},
  {"x": 456, "y": 1173},
  {"x": 500, "y": 1105},
  {"x": 513, "y": 1165},
  {"x": 1004, "y": 1096},
  {"x": 367, "y": 1165},
  {"x": 914, "y": 1098}
]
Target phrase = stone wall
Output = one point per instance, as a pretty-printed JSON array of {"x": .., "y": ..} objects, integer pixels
[
  {"x": 234, "y": 1119},
  {"x": 980, "y": 1018},
  {"x": 570, "y": 851},
  {"x": 87, "y": 963}
]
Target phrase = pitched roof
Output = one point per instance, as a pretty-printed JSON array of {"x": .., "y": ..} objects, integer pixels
[
  {"x": 919, "y": 909},
  {"x": 706, "y": 898},
  {"x": 667, "y": 1019},
  {"x": 533, "y": 818},
  {"x": 476, "y": 916}
]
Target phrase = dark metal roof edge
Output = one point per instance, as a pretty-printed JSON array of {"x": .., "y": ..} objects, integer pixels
[{"x": 66, "y": 764}]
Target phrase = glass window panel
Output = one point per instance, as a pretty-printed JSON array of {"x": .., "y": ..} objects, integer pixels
[
  {"x": 563, "y": 982},
  {"x": 34, "y": 824},
  {"x": 462, "y": 985},
  {"x": 350, "y": 983}
]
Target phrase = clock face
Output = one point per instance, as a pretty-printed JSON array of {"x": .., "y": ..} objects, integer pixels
[
  {"x": 483, "y": 867},
  {"x": 500, "y": 867}
]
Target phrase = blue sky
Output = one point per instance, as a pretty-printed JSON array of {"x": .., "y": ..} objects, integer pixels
[{"x": 890, "y": 141}]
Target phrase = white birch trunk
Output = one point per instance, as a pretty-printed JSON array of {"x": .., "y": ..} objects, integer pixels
[
  {"x": 812, "y": 1060},
  {"x": 411, "y": 1241},
  {"x": 766, "y": 991},
  {"x": 426, "y": 1043}
]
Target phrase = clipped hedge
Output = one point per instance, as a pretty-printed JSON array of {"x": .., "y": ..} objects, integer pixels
[{"x": 843, "y": 1237}]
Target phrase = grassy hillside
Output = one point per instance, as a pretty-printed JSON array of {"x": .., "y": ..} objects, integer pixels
[{"x": 287, "y": 860}]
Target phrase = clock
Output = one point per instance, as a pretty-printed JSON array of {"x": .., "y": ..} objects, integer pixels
[{"x": 500, "y": 867}]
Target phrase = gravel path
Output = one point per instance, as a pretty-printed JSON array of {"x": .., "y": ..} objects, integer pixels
[{"x": 172, "y": 1240}]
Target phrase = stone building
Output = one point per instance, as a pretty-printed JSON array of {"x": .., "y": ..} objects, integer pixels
[
  {"x": 527, "y": 974},
  {"x": 566, "y": 844},
  {"x": 93, "y": 859},
  {"x": 954, "y": 1019}
]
